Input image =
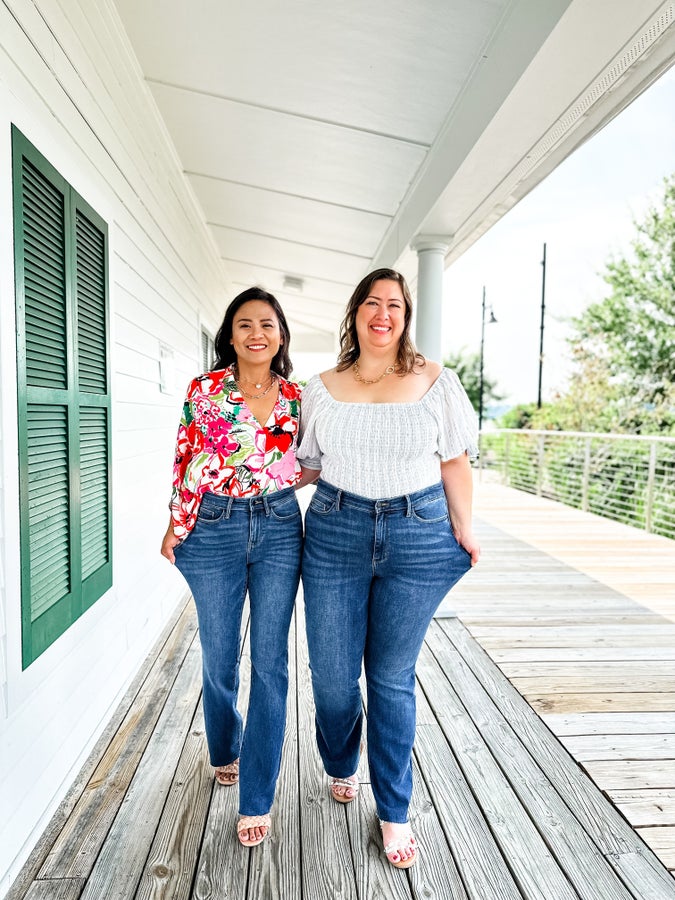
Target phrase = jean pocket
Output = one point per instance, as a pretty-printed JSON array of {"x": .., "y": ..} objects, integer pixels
[
  {"x": 208, "y": 514},
  {"x": 287, "y": 509},
  {"x": 321, "y": 504},
  {"x": 434, "y": 509}
]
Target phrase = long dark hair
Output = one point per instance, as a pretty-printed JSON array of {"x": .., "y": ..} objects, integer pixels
[
  {"x": 225, "y": 355},
  {"x": 407, "y": 357}
]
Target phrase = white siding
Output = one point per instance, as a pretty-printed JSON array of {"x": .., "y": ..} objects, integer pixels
[{"x": 69, "y": 82}]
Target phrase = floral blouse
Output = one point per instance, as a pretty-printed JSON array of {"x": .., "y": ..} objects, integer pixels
[{"x": 222, "y": 449}]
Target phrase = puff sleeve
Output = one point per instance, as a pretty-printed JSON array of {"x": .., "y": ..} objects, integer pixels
[
  {"x": 457, "y": 419},
  {"x": 308, "y": 452}
]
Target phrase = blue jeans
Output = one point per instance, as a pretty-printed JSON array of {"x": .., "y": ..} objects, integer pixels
[
  {"x": 374, "y": 572},
  {"x": 241, "y": 544}
]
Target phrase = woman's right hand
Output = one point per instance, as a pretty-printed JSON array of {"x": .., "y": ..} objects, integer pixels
[{"x": 169, "y": 541}]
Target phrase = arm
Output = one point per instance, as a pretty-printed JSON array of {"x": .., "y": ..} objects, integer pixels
[
  {"x": 309, "y": 476},
  {"x": 169, "y": 541},
  {"x": 458, "y": 486}
]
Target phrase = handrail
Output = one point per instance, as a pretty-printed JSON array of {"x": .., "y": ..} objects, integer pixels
[{"x": 628, "y": 478}]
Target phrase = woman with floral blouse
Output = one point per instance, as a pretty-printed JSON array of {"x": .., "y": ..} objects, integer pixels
[{"x": 236, "y": 528}]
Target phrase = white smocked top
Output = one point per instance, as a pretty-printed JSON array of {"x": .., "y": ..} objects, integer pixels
[{"x": 383, "y": 450}]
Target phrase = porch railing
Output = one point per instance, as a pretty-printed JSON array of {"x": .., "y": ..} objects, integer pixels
[{"x": 627, "y": 478}]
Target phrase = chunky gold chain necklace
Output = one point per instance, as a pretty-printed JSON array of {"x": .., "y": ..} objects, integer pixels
[{"x": 359, "y": 377}]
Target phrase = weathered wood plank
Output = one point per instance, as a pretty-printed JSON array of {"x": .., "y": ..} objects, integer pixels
[
  {"x": 170, "y": 638},
  {"x": 601, "y": 821},
  {"x": 620, "y": 746},
  {"x": 171, "y": 862},
  {"x": 476, "y": 853},
  {"x": 630, "y": 671},
  {"x": 576, "y": 853},
  {"x": 620, "y": 703},
  {"x": 571, "y": 653},
  {"x": 327, "y": 867},
  {"x": 662, "y": 841},
  {"x": 223, "y": 864},
  {"x": 274, "y": 869},
  {"x": 632, "y": 773},
  {"x": 611, "y": 723},
  {"x": 56, "y": 889},
  {"x": 79, "y": 840},
  {"x": 645, "y": 807},
  {"x": 120, "y": 863},
  {"x": 609, "y": 684}
]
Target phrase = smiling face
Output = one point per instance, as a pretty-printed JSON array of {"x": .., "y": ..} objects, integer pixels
[
  {"x": 380, "y": 319},
  {"x": 256, "y": 336}
]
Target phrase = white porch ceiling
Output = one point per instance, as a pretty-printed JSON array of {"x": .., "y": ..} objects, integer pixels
[{"x": 320, "y": 139}]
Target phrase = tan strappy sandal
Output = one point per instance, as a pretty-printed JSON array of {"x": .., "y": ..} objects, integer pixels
[
  {"x": 246, "y": 823},
  {"x": 229, "y": 774}
]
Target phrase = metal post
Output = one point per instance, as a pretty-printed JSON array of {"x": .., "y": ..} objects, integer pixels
[
  {"x": 540, "y": 464},
  {"x": 651, "y": 476},
  {"x": 482, "y": 348},
  {"x": 541, "y": 326},
  {"x": 586, "y": 474}
]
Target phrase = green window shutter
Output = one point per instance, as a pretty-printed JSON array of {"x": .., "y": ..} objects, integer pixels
[
  {"x": 94, "y": 488},
  {"x": 91, "y": 306},
  {"x": 48, "y": 506},
  {"x": 44, "y": 264},
  {"x": 63, "y": 400}
]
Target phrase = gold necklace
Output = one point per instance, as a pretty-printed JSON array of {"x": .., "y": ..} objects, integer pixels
[
  {"x": 359, "y": 377},
  {"x": 256, "y": 396},
  {"x": 237, "y": 381}
]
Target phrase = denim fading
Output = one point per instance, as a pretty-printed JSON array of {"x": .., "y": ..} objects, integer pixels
[
  {"x": 374, "y": 573},
  {"x": 249, "y": 544}
]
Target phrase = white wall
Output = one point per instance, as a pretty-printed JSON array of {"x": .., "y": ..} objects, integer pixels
[{"x": 69, "y": 82}]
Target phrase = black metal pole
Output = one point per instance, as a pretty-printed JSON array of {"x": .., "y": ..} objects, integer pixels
[
  {"x": 541, "y": 326},
  {"x": 482, "y": 345}
]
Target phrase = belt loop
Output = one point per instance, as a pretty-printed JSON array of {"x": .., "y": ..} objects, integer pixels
[
  {"x": 266, "y": 505},
  {"x": 408, "y": 506},
  {"x": 338, "y": 497},
  {"x": 228, "y": 506}
]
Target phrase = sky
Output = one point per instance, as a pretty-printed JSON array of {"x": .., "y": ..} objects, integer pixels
[{"x": 584, "y": 212}]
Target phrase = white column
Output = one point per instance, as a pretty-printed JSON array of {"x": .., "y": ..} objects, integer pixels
[{"x": 431, "y": 250}]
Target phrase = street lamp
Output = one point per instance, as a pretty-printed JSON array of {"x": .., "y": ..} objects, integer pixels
[{"x": 491, "y": 321}]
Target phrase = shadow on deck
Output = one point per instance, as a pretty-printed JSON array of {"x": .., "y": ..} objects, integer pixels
[{"x": 500, "y": 808}]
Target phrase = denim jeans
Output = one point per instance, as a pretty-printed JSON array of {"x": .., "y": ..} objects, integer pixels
[
  {"x": 374, "y": 572},
  {"x": 241, "y": 544}
]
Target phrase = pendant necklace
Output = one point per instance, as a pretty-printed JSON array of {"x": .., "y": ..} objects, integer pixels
[{"x": 237, "y": 380}]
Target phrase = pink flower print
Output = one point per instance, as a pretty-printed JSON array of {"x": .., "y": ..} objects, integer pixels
[
  {"x": 216, "y": 477},
  {"x": 204, "y": 410},
  {"x": 218, "y": 438},
  {"x": 283, "y": 470}
]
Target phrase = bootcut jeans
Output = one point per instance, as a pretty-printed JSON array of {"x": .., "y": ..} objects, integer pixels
[
  {"x": 241, "y": 544},
  {"x": 374, "y": 572}
]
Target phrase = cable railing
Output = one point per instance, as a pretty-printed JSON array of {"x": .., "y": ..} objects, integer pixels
[{"x": 628, "y": 478}]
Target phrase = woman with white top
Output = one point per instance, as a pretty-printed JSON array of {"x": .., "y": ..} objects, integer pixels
[{"x": 388, "y": 533}]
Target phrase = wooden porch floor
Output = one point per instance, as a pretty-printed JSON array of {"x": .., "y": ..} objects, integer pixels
[{"x": 501, "y": 809}]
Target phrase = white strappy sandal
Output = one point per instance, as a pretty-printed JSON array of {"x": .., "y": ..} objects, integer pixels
[
  {"x": 394, "y": 849},
  {"x": 344, "y": 783}
]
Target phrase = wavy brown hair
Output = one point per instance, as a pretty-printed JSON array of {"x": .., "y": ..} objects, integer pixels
[
  {"x": 407, "y": 357},
  {"x": 225, "y": 355}
]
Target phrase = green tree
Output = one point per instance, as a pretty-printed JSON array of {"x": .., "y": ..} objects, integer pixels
[
  {"x": 627, "y": 339},
  {"x": 467, "y": 367}
]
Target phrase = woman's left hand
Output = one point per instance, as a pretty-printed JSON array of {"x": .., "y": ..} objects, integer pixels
[{"x": 470, "y": 544}]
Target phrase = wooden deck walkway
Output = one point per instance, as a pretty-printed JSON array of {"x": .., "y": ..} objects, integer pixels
[{"x": 501, "y": 809}]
